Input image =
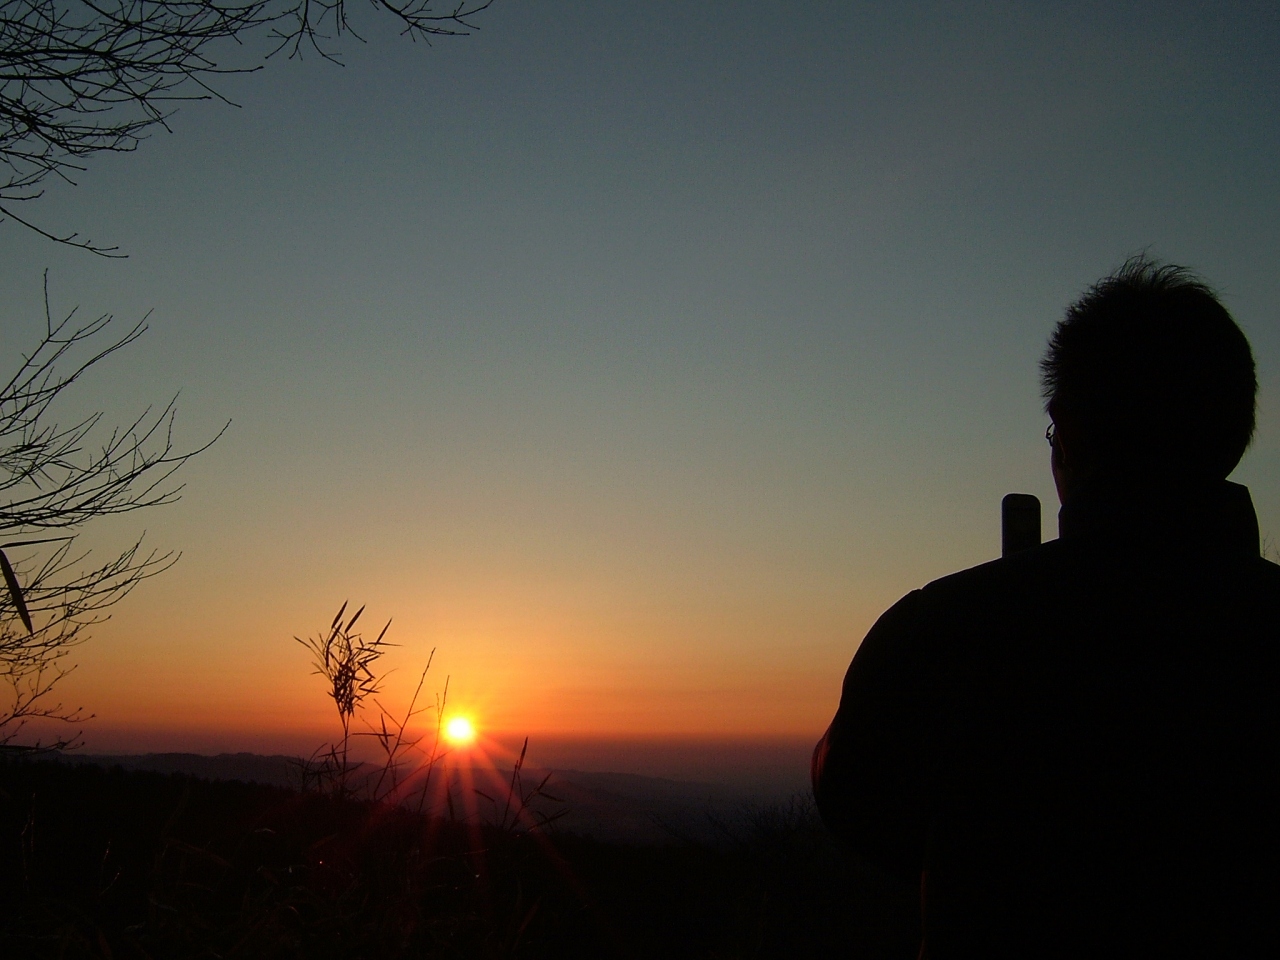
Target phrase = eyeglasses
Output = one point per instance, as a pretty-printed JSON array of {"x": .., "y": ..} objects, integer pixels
[{"x": 1049, "y": 434}]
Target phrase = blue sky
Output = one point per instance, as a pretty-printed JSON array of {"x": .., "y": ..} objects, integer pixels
[{"x": 636, "y": 356}]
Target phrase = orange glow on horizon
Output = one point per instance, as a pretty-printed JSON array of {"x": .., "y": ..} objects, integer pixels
[{"x": 558, "y": 679}]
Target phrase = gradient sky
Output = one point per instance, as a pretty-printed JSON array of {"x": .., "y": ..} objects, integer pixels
[{"x": 634, "y": 356}]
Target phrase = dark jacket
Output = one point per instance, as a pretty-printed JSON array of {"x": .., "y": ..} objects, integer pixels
[{"x": 1078, "y": 745}]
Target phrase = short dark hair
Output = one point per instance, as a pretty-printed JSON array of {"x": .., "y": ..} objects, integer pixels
[{"x": 1155, "y": 372}]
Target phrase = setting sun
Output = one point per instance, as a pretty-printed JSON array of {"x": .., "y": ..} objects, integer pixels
[{"x": 459, "y": 730}]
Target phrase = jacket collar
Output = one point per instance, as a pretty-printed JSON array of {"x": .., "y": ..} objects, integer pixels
[{"x": 1214, "y": 516}]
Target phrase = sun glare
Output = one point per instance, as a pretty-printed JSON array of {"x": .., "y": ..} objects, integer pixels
[{"x": 459, "y": 730}]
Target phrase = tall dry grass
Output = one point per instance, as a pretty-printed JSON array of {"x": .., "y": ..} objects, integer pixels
[
  {"x": 405, "y": 771},
  {"x": 346, "y": 660}
]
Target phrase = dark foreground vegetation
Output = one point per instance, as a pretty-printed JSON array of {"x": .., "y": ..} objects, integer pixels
[{"x": 113, "y": 864}]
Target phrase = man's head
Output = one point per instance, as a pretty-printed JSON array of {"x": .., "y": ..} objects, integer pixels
[{"x": 1148, "y": 377}]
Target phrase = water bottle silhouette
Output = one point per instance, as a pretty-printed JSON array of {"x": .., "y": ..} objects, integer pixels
[{"x": 1019, "y": 523}]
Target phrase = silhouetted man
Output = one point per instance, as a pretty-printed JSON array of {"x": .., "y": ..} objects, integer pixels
[{"x": 1074, "y": 750}]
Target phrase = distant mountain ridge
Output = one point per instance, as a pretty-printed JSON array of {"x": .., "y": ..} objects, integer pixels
[
  {"x": 620, "y": 807},
  {"x": 275, "y": 770}
]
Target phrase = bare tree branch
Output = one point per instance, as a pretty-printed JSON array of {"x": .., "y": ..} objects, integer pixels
[
  {"x": 80, "y": 77},
  {"x": 56, "y": 478}
]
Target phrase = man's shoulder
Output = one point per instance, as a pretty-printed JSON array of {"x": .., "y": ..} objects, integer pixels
[
  {"x": 1060, "y": 571},
  {"x": 1032, "y": 569}
]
